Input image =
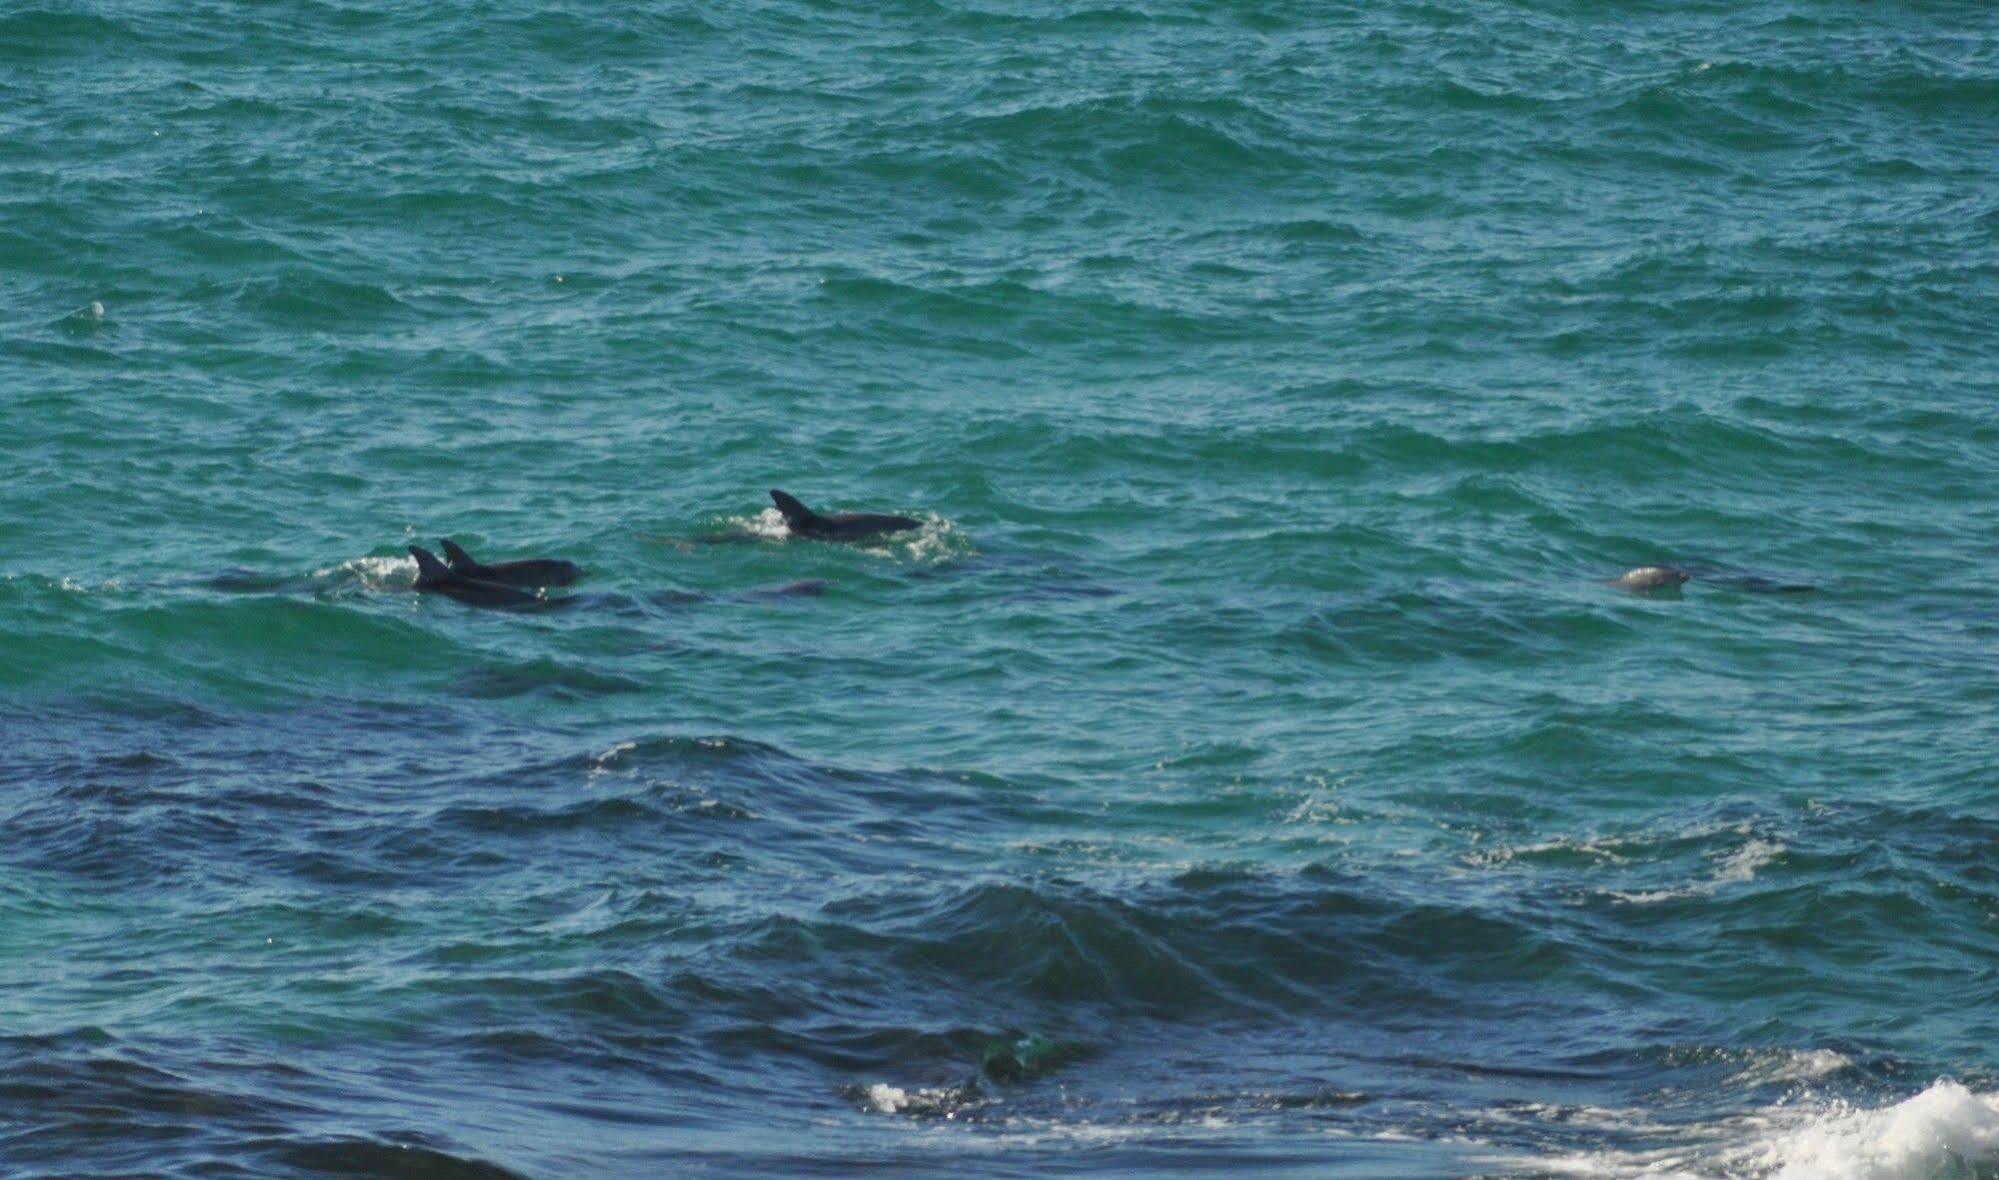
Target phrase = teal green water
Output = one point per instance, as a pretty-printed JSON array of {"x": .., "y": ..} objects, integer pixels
[{"x": 1245, "y": 766}]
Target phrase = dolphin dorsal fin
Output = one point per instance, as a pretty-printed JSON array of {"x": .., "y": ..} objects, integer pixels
[
  {"x": 429, "y": 570},
  {"x": 460, "y": 561},
  {"x": 794, "y": 512}
]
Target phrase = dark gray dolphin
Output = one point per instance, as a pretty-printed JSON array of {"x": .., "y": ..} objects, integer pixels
[
  {"x": 532, "y": 571},
  {"x": 840, "y": 526},
  {"x": 434, "y": 577},
  {"x": 1748, "y": 583},
  {"x": 810, "y": 588}
]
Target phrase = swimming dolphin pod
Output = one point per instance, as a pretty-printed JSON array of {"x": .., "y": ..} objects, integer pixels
[
  {"x": 518, "y": 583},
  {"x": 838, "y": 526},
  {"x": 435, "y": 577},
  {"x": 532, "y": 571}
]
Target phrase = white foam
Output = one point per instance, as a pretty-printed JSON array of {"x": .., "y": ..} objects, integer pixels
[
  {"x": 768, "y": 523},
  {"x": 1608, "y": 850},
  {"x": 1812, "y": 1064},
  {"x": 1945, "y": 1132},
  {"x": 373, "y": 570},
  {"x": 1736, "y": 868},
  {"x": 883, "y": 1098},
  {"x": 1618, "y": 1118},
  {"x": 599, "y": 763},
  {"x": 933, "y": 539},
  {"x": 1794, "y": 1065},
  {"x": 1743, "y": 864}
]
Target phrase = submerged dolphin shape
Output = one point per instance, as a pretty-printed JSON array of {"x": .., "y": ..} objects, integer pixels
[
  {"x": 839, "y": 526},
  {"x": 532, "y": 571},
  {"x": 1748, "y": 583},
  {"x": 434, "y": 577}
]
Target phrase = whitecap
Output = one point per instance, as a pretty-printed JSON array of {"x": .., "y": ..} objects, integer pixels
[
  {"x": 599, "y": 763},
  {"x": 1946, "y": 1130},
  {"x": 1793, "y": 1065},
  {"x": 1738, "y": 867},
  {"x": 1742, "y": 865},
  {"x": 883, "y": 1098}
]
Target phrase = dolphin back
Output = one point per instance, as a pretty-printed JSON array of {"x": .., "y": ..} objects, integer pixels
[
  {"x": 795, "y": 513},
  {"x": 533, "y": 571},
  {"x": 872, "y": 522},
  {"x": 839, "y": 526},
  {"x": 429, "y": 570},
  {"x": 460, "y": 561}
]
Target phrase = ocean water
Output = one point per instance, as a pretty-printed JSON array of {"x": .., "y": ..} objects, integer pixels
[{"x": 1245, "y": 767}]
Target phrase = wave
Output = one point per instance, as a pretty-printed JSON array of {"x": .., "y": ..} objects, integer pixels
[
  {"x": 556, "y": 679},
  {"x": 35, "y": 35},
  {"x": 408, "y": 1155},
  {"x": 1243, "y": 944},
  {"x": 1126, "y": 136},
  {"x": 232, "y": 1114},
  {"x": 1736, "y": 868},
  {"x": 1945, "y": 1132}
]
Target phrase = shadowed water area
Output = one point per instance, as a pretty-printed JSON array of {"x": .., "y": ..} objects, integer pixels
[{"x": 1244, "y": 767}]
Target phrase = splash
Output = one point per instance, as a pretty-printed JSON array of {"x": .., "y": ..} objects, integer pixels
[
  {"x": 1947, "y": 1132},
  {"x": 935, "y": 540},
  {"x": 370, "y": 571}
]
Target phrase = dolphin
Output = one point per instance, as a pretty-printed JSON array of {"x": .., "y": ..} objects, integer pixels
[
  {"x": 810, "y": 588},
  {"x": 840, "y": 526},
  {"x": 1748, "y": 583},
  {"x": 1647, "y": 578},
  {"x": 533, "y": 571},
  {"x": 434, "y": 577},
  {"x": 1651, "y": 577}
]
